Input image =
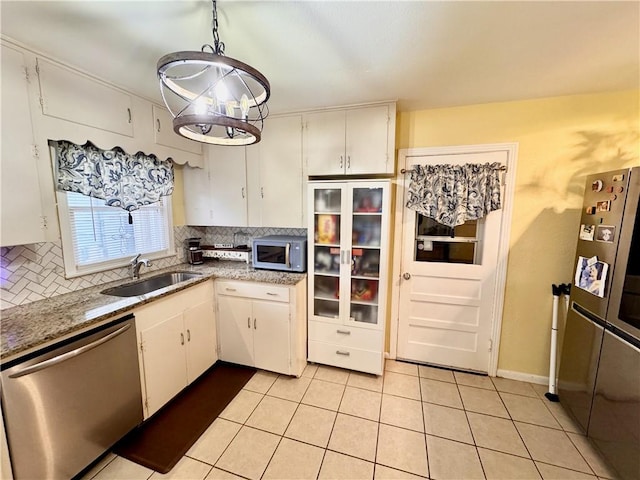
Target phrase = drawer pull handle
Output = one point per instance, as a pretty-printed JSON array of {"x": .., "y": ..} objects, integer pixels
[
  {"x": 344, "y": 332},
  {"x": 230, "y": 289},
  {"x": 182, "y": 339},
  {"x": 248, "y": 322},
  {"x": 272, "y": 294},
  {"x": 254, "y": 324},
  {"x": 346, "y": 354},
  {"x": 188, "y": 335}
]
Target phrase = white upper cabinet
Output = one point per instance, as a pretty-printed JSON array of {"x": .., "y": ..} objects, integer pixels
[
  {"x": 164, "y": 134},
  {"x": 22, "y": 215},
  {"x": 217, "y": 194},
  {"x": 71, "y": 96},
  {"x": 357, "y": 141},
  {"x": 274, "y": 175},
  {"x": 259, "y": 185},
  {"x": 228, "y": 173}
]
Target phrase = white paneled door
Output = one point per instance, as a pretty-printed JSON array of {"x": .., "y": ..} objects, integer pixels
[{"x": 447, "y": 285}]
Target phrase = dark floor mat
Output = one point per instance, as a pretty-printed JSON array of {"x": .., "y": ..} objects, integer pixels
[{"x": 161, "y": 441}]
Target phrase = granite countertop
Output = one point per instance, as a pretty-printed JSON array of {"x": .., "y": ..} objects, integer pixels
[{"x": 26, "y": 328}]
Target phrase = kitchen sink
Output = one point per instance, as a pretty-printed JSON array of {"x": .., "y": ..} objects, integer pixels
[{"x": 150, "y": 284}]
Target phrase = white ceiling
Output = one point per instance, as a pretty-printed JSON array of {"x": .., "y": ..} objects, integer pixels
[{"x": 424, "y": 54}]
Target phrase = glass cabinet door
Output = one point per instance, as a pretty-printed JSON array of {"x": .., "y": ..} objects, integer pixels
[
  {"x": 365, "y": 241},
  {"x": 327, "y": 207}
]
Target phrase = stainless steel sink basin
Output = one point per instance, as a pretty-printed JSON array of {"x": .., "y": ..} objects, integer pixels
[{"x": 150, "y": 284}]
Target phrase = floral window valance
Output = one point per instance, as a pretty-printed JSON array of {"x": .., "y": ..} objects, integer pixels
[
  {"x": 453, "y": 194},
  {"x": 120, "y": 179}
]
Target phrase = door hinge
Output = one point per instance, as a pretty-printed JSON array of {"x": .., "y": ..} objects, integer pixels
[
  {"x": 35, "y": 152},
  {"x": 141, "y": 347},
  {"x": 42, "y": 103},
  {"x": 26, "y": 75},
  {"x": 146, "y": 404},
  {"x": 490, "y": 345},
  {"x": 37, "y": 68},
  {"x": 43, "y": 222}
]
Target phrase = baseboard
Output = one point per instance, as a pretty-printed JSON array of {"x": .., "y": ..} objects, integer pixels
[{"x": 523, "y": 377}]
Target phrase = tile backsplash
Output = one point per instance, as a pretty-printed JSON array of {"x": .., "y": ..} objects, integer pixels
[{"x": 36, "y": 271}]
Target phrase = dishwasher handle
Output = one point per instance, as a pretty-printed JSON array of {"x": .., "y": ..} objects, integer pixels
[{"x": 66, "y": 356}]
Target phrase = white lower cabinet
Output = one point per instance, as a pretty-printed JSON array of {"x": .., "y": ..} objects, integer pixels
[
  {"x": 177, "y": 343},
  {"x": 262, "y": 325}
]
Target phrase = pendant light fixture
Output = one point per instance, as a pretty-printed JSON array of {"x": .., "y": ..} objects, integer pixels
[{"x": 213, "y": 98}]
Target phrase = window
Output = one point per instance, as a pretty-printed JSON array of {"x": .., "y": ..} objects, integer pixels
[
  {"x": 96, "y": 237},
  {"x": 436, "y": 242}
]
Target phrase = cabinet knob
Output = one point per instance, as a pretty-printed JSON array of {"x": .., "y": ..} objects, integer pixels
[{"x": 406, "y": 276}]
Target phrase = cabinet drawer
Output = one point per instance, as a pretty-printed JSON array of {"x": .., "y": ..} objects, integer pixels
[
  {"x": 364, "y": 338},
  {"x": 263, "y": 291},
  {"x": 346, "y": 357}
]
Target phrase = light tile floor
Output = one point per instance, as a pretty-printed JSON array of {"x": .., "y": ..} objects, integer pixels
[{"x": 414, "y": 422}]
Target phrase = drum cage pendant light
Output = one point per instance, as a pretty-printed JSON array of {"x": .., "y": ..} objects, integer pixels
[{"x": 213, "y": 98}]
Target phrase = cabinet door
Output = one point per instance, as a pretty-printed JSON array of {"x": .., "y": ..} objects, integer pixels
[
  {"x": 200, "y": 332},
  {"x": 324, "y": 143},
  {"x": 367, "y": 141},
  {"x": 271, "y": 336},
  {"x": 197, "y": 195},
  {"x": 365, "y": 277},
  {"x": 281, "y": 173},
  {"x": 325, "y": 249},
  {"x": 164, "y": 134},
  {"x": 71, "y": 96},
  {"x": 235, "y": 329},
  {"x": 228, "y": 193},
  {"x": 21, "y": 221},
  {"x": 163, "y": 355}
]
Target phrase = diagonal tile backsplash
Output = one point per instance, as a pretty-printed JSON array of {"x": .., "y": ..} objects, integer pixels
[{"x": 36, "y": 271}]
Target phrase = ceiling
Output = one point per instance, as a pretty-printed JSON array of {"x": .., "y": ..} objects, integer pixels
[{"x": 424, "y": 54}]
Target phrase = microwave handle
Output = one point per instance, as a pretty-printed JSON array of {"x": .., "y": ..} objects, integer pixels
[{"x": 287, "y": 255}]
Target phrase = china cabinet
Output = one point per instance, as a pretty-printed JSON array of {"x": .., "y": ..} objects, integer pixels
[
  {"x": 354, "y": 141},
  {"x": 348, "y": 273}
]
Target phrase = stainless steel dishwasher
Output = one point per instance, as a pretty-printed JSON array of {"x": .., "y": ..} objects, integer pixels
[{"x": 65, "y": 406}]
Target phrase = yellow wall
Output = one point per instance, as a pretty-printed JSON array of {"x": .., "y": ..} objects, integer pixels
[{"x": 561, "y": 140}]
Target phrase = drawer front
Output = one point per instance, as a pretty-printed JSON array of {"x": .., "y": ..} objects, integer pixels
[
  {"x": 346, "y": 357},
  {"x": 363, "y": 338},
  {"x": 262, "y": 291}
]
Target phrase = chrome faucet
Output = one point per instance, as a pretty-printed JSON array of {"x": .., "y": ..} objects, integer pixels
[{"x": 135, "y": 264}]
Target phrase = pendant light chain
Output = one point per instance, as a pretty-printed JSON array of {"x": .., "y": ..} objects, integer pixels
[{"x": 218, "y": 45}]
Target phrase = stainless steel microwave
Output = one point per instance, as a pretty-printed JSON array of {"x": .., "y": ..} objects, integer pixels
[{"x": 280, "y": 252}]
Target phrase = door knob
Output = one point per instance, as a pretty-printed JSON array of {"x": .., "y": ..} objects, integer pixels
[{"x": 406, "y": 276}]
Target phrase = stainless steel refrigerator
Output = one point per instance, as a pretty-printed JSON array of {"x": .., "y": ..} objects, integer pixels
[{"x": 599, "y": 376}]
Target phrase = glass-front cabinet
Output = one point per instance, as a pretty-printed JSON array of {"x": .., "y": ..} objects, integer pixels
[{"x": 348, "y": 266}]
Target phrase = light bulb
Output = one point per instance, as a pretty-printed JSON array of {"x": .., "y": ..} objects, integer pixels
[{"x": 244, "y": 106}]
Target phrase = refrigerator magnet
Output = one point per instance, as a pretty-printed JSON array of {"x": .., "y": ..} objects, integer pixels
[
  {"x": 603, "y": 206},
  {"x": 596, "y": 186},
  {"x": 591, "y": 275},
  {"x": 590, "y": 210},
  {"x": 586, "y": 232},
  {"x": 605, "y": 233},
  {"x": 619, "y": 177}
]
